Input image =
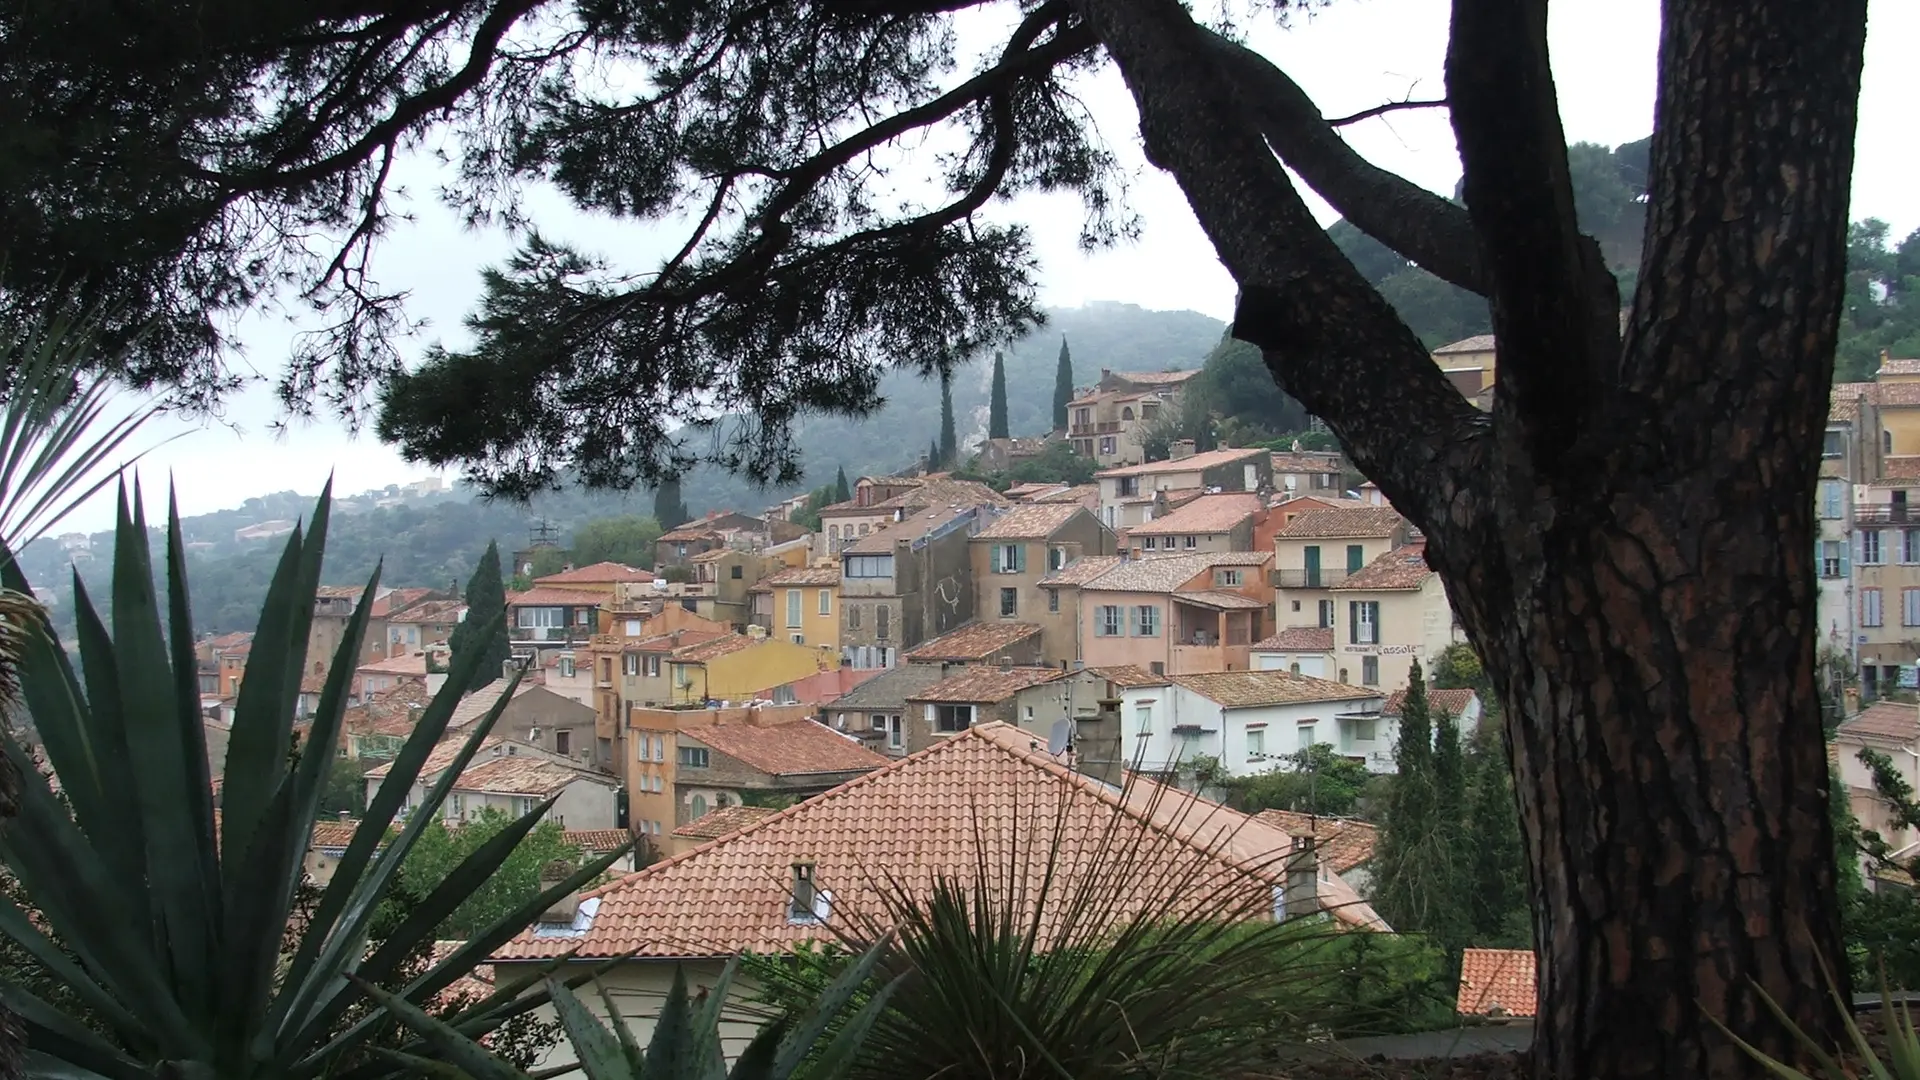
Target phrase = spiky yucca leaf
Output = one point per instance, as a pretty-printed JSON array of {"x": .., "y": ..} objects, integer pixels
[{"x": 178, "y": 933}]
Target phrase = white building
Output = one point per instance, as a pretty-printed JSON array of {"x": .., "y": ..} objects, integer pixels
[
  {"x": 1249, "y": 721},
  {"x": 1303, "y": 650}
]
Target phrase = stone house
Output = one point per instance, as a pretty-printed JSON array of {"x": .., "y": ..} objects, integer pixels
[
  {"x": 1127, "y": 494},
  {"x": 969, "y": 696},
  {"x": 906, "y": 584},
  {"x": 1203, "y": 523},
  {"x": 1107, "y": 422},
  {"x": 874, "y": 711},
  {"x": 1015, "y": 552},
  {"x": 998, "y": 643}
]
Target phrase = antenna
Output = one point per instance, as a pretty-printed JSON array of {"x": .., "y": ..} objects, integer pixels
[{"x": 1061, "y": 738}]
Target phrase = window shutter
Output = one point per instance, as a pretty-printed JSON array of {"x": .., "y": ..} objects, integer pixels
[
  {"x": 1020, "y": 559},
  {"x": 996, "y": 558},
  {"x": 1846, "y": 563},
  {"x": 1353, "y": 622}
]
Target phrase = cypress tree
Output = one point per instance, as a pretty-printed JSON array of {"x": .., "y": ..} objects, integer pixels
[
  {"x": 1496, "y": 892},
  {"x": 1062, "y": 386},
  {"x": 997, "y": 403},
  {"x": 486, "y": 601},
  {"x": 933, "y": 455},
  {"x": 1416, "y": 887},
  {"x": 668, "y": 508},
  {"x": 949, "y": 441},
  {"x": 841, "y": 491}
]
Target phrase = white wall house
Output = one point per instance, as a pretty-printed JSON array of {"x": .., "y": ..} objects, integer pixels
[
  {"x": 1248, "y": 720},
  {"x": 1303, "y": 650},
  {"x": 1373, "y": 739}
]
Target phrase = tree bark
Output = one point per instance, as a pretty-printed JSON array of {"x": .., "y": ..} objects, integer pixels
[{"x": 1627, "y": 538}]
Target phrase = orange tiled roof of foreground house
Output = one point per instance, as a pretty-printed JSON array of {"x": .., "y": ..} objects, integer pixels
[
  {"x": 600, "y": 573},
  {"x": 1496, "y": 982},
  {"x": 974, "y": 641},
  {"x": 1405, "y": 567},
  {"x": 1453, "y": 702},
  {"x": 925, "y": 816},
  {"x": 1206, "y": 514},
  {"x": 723, "y": 822},
  {"x": 1888, "y": 720},
  {"x": 1342, "y": 843},
  {"x": 793, "y": 748},
  {"x": 1339, "y": 524},
  {"x": 1297, "y": 639}
]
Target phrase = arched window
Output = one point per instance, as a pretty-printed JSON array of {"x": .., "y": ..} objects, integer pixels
[
  {"x": 1126, "y": 413},
  {"x": 1886, "y": 442},
  {"x": 699, "y": 806},
  {"x": 833, "y": 532}
]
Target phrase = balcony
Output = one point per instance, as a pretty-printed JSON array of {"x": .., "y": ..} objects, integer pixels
[
  {"x": 1110, "y": 427},
  {"x": 1307, "y": 579},
  {"x": 550, "y": 635},
  {"x": 1883, "y": 514}
]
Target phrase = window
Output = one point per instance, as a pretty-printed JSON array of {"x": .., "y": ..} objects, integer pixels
[
  {"x": 864, "y": 527},
  {"x": 1146, "y": 621},
  {"x": 524, "y": 806},
  {"x": 693, "y": 757},
  {"x": 797, "y": 639},
  {"x": 1126, "y": 412},
  {"x": 1146, "y": 542},
  {"x": 1356, "y": 558},
  {"x": 1129, "y": 486},
  {"x": 1835, "y": 445},
  {"x": 1143, "y": 720},
  {"x": 1009, "y": 603},
  {"x": 894, "y": 738},
  {"x": 629, "y": 663},
  {"x": 1886, "y": 442},
  {"x": 1910, "y": 546},
  {"x": 1369, "y": 671},
  {"x": 1192, "y": 541},
  {"x": 1009, "y": 558},
  {"x": 606, "y": 669},
  {"x": 1106, "y": 444},
  {"x": 1053, "y": 600},
  {"x": 563, "y": 742},
  {"x": 1106, "y": 621},
  {"x": 733, "y": 572},
  {"x": 1226, "y": 579},
  {"x": 1363, "y": 622},
  {"x": 1256, "y": 743},
  {"x": 583, "y": 617},
  {"x": 1363, "y": 730},
  {"x": 1870, "y": 547},
  {"x": 1326, "y": 615},
  {"x": 878, "y": 721},
  {"x": 882, "y": 617},
  {"x": 952, "y": 718},
  {"x": 1083, "y": 417},
  {"x": 1306, "y": 736},
  {"x": 456, "y": 805},
  {"x": 1869, "y": 607},
  {"x": 853, "y": 616},
  {"x": 793, "y": 607},
  {"x": 1056, "y": 558},
  {"x": 869, "y": 566},
  {"x": 826, "y": 603},
  {"x": 542, "y": 618},
  {"x": 566, "y": 667},
  {"x": 784, "y": 695},
  {"x": 699, "y": 806},
  {"x": 833, "y": 533},
  {"x": 653, "y": 666},
  {"x": 1831, "y": 494},
  {"x": 1833, "y": 558},
  {"x": 1910, "y": 607}
]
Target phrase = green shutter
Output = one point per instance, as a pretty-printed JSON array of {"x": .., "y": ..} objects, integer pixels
[
  {"x": 996, "y": 558},
  {"x": 1356, "y": 558},
  {"x": 1020, "y": 559},
  {"x": 1353, "y": 622}
]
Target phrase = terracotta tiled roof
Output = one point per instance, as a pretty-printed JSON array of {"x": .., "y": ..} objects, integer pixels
[
  {"x": 1157, "y": 378},
  {"x": 1889, "y": 720},
  {"x": 1405, "y": 567},
  {"x": 337, "y": 592},
  {"x": 1341, "y": 843},
  {"x": 1128, "y": 675},
  {"x": 1218, "y": 600},
  {"x": 600, "y": 573},
  {"x": 522, "y": 775},
  {"x": 924, "y": 816},
  {"x": 1082, "y": 570},
  {"x": 431, "y": 611},
  {"x": 889, "y": 690},
  {"x": 692, "y": 530},
  {"x": 944, "y": 492},
  {"x": 1476, "y": 344},
  {"x": 1252, "y": 689},
  {"x": 398, "y": 600},
  {"x": 723, "y": 822},
  {"x": 882, "y": 541},
  {"x": 1298, "y": 639},
  {"x": 1844, "y": 403},
  {"x": 548, "y": 596},
  {"x": 1454, "y": 703},
  {"x": 987, "y": 684},
  {"x": 1165, "y": 573},
  {"x": 477, "y": 703},
  {"x": 441, "y": 756},
  {"x": 1082, "y": 494},
  {"x": 1901, "y": 467},
  {"x": 1898, "y": 395},
  {"x": 475, "y": 985},
  {"x": 596, "y": 841},
  {"x": 1370, "y": 521},
  {"x": 1496, "y": 981},
  {"x": 1031, "y": 521},
  {"x": 797, "y": 747},
  {"x": 1206, "y": 514},
  {"x": 1897, "y": 366},
  {"x": 333, "y": 834},
  {"x": 974, "y": 641},
  {"x": 396, "y": 665},
  {"x": 1028, "y": 490},
  {"x": 712, "y": 650},
  {"x": 1212, "y": 459},
  {"x": 805, "y": 575},
  {"x": 313, "y": 684},
  {"x": 1307, "y": 461}
]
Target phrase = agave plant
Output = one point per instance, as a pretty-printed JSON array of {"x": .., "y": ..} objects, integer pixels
[
  {"x": 686, "y": 1043},
  {"x": 166, "y": 922},
  {"x": 1903, "y": 1042}
]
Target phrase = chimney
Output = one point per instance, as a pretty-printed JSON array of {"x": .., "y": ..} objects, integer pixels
[
  {"x": 1096, "y": 742},
  {"x": 566, "y": 567},
  {"x": 563, "y": 909},
  {"x": 1302, "y": 896},
  {"x": 804, "y": 905},
  {"x": 346, "y": 815},
  {"x": 1179, "y": 449},
  {"x": 1006, "y": 663}
]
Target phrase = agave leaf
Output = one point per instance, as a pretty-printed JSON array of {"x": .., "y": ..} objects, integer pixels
[
  {"x": 596, "y": 1048},
  {"x": 713, "y": 1055},
  {"x": 629, "y": 1046},
  {"x": 15, "y": 924},
  {"x": 674, "y": 1040},
  {"x": 456, "y": 1049},
  {"x": 251, "y": 935},
  {"x": 119, "y": 835},
  {"x": 67, "y": 1038},
  {"x": 825, "y": 1009},
  {"x": 847, "y": 1042},
  {"x": 258, "y": 745},
  {"x": 415, "y": 1064},
  {"x": 756, "y": 1061},
  {"x": 186, "y": 689}
]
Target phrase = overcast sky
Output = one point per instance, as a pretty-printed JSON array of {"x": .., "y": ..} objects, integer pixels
[{"x": 1350, "y": 56}]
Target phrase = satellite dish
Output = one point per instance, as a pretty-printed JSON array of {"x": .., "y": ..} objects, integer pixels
[{"x": 1061, "y": 738}]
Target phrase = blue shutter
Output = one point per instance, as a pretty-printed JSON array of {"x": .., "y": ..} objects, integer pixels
[
  {"x": 996, "y": 558},
  {"x": 1020, "y": 559},
  {"x": 1846, "y": 559}
]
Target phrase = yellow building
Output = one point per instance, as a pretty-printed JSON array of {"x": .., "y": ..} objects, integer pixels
[
  {"x": 806, "y": 607},
  {"x": 739, "y": 667},
  {"x": 1896, "y": 390},
  {"x": 1468, "y": 363}
]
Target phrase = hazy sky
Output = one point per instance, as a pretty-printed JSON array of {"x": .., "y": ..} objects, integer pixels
[{"x": 1350, "y": 56}]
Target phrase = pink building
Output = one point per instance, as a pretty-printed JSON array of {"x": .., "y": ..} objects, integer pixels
[{"x": 1178, "y": 614}]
